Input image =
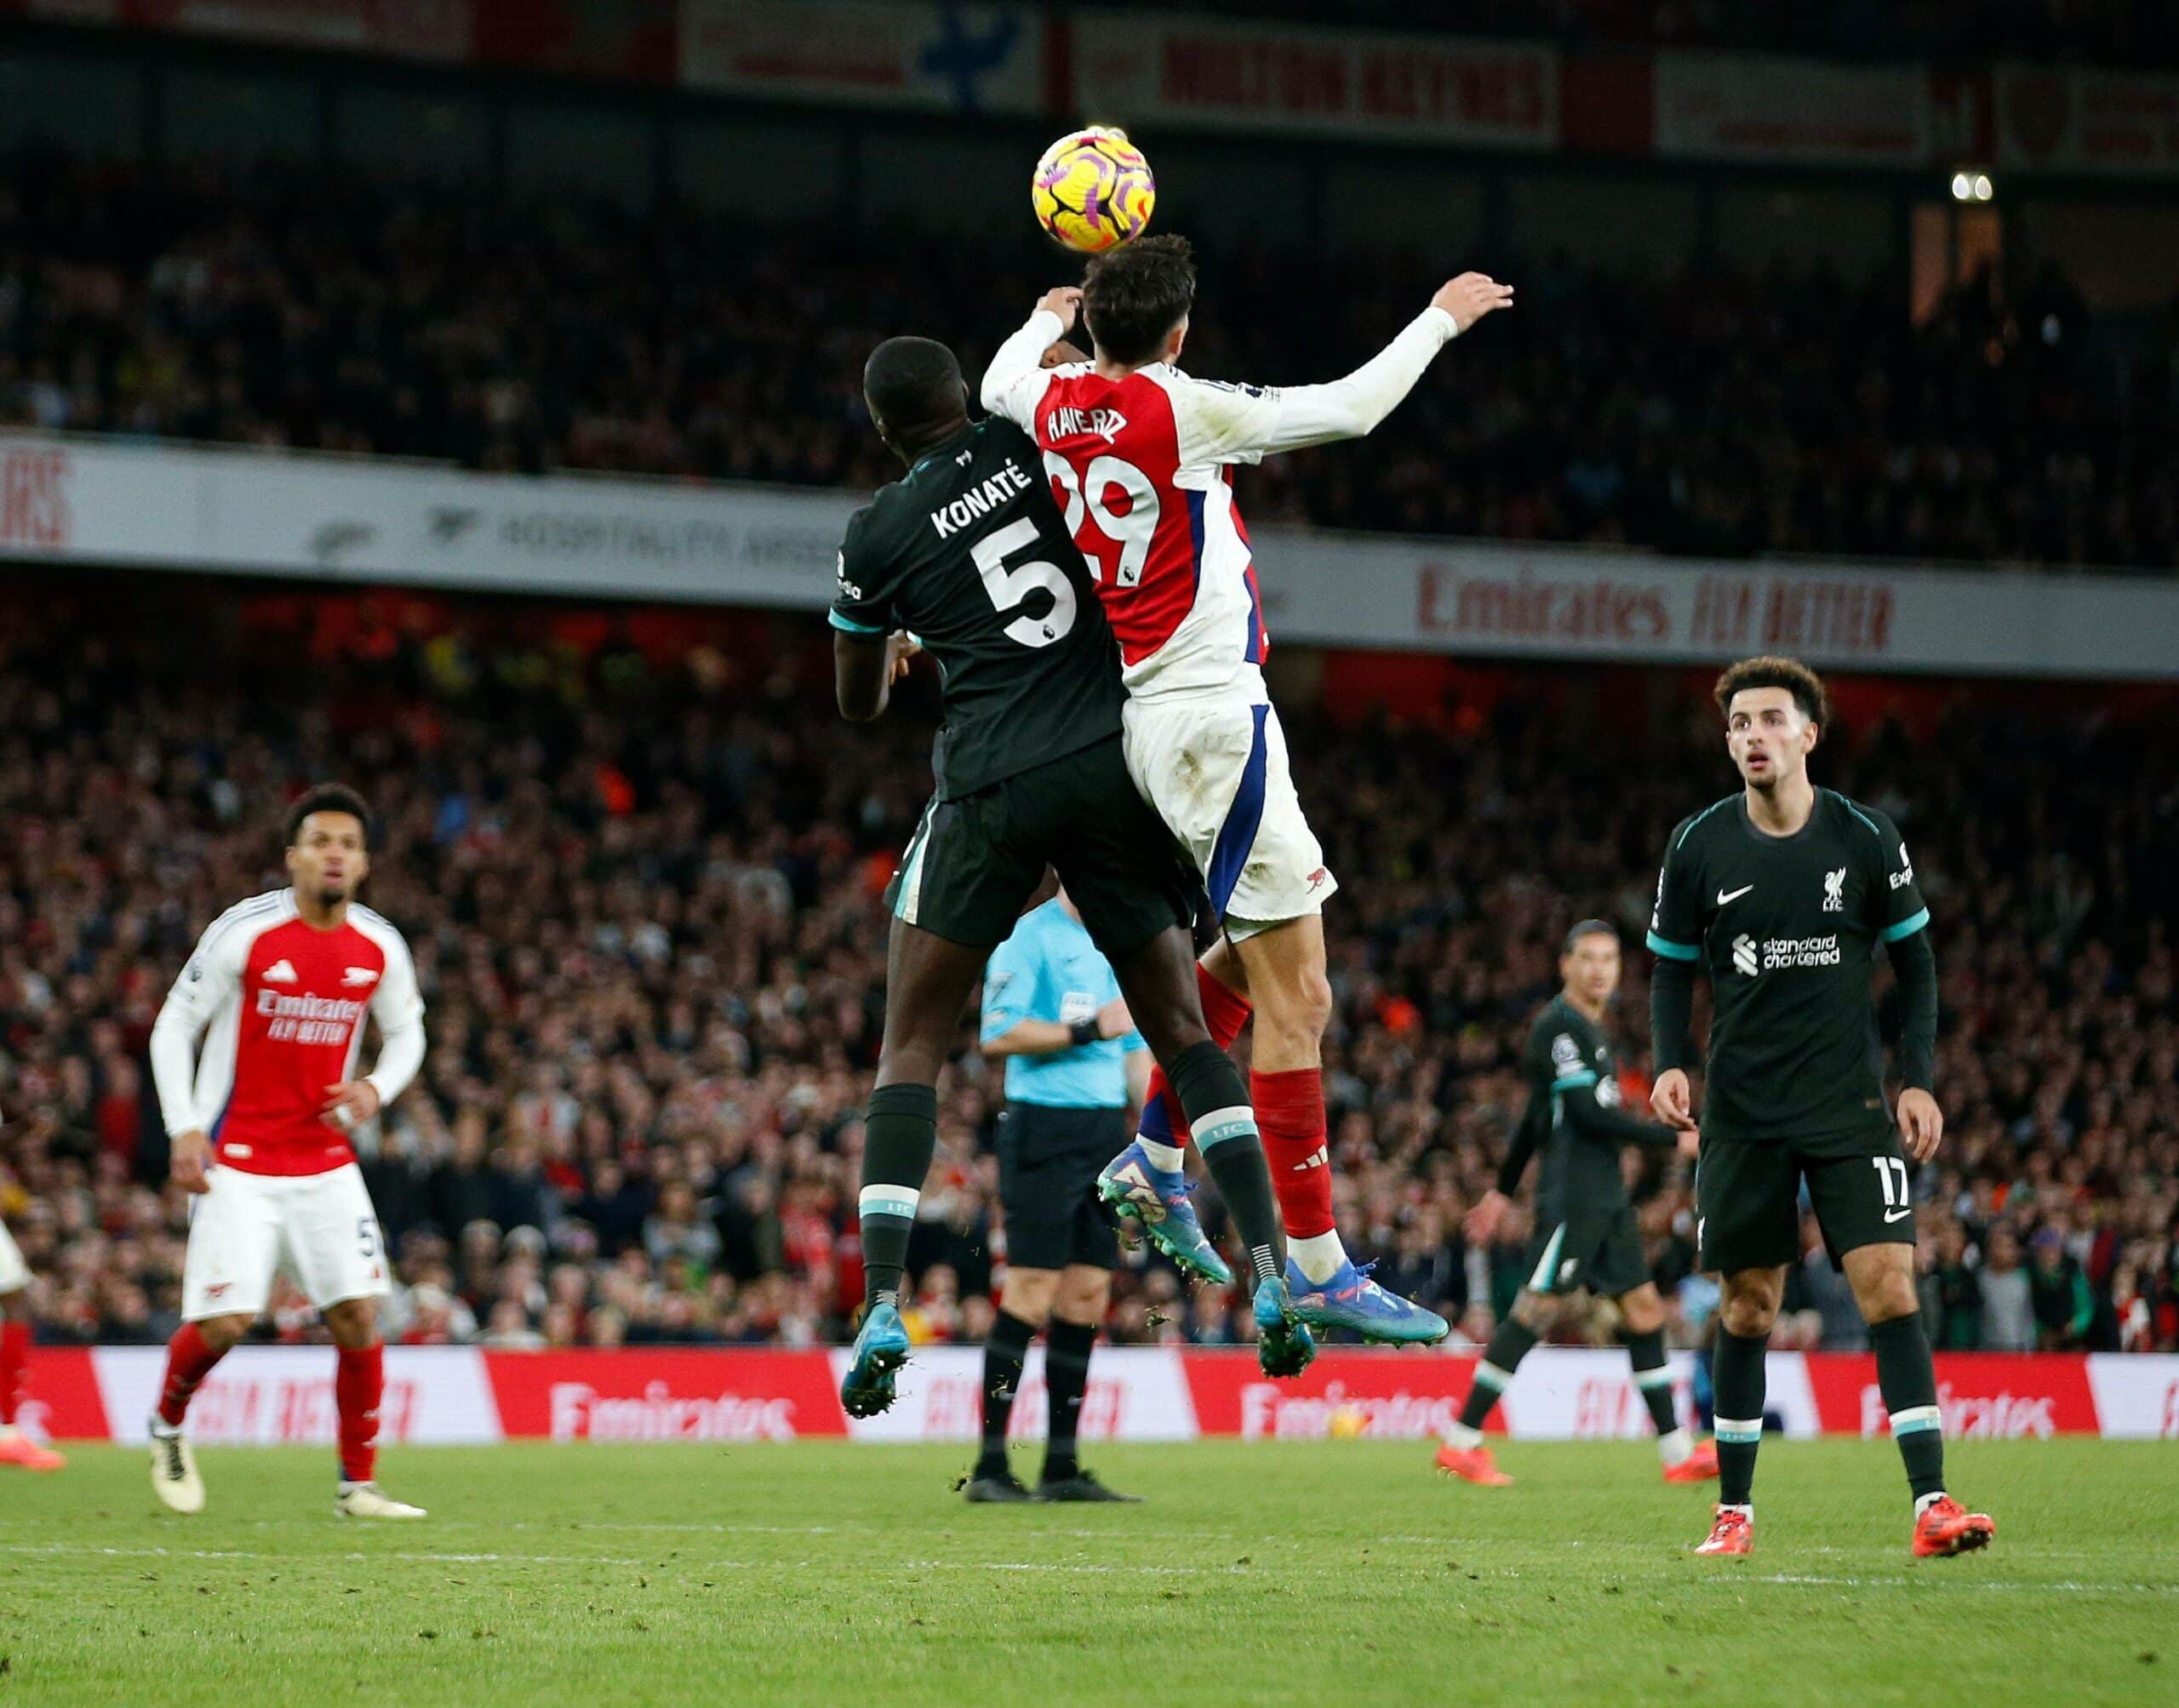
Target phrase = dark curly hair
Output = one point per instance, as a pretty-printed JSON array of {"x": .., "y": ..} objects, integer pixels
[
  {"x": 1132, "y": 296},
  {"x": 1805, "y": 686},
  {"x": 328, "y": 797}
]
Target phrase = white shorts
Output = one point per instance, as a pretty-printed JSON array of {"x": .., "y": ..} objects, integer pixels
[
  {"x": 1217, "y": 773},
  {"x": 14, "y": 1273},
  {"x": 321, "y": 1228}
]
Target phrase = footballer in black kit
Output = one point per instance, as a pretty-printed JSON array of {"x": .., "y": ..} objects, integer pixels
[
  {"x": 968, "y": 559},
  {"x": 1586, "y": 1233},
  {"x": 1782, "y": 893}
]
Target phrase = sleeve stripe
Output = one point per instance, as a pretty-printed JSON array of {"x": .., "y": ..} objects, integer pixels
[
  {"x": 1906, "y": 927},
  {"x": 1570, "y": 1081},
  {"x": 847, "y": 625},
  {"x": 1672, "y": 951}
]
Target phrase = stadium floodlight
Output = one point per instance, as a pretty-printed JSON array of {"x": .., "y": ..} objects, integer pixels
[{"x": 1972, "y": 186}]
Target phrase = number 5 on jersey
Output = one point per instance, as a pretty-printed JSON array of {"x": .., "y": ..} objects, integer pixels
[{"x": 1007, "y": 587}]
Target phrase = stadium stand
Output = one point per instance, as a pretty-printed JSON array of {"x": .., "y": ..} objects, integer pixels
[{"x": 1707, "y": 408}]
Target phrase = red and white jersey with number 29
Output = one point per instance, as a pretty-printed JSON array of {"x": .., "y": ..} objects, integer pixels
[
  {"x": 1139, "y": 465},
  {"x": 282, "y": 1006}
]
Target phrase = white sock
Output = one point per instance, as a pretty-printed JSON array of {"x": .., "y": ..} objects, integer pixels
[
  {"x": 1319, "y": 1255},
  {"x": 1674, "y": 1446},
  {"x": 1462, "y": 1436},
  {"x": 163, "y": 1430},
  {"x": 1924, "y": 1502},
  {"x": 1746, "y": 1511},
  {"x": 1168, "y": 1157}
]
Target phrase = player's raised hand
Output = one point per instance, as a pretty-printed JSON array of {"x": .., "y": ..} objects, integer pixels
[
  {"x": 1468, "y": 298},
  {"x": 1065, "y": 301},
  {"x": 349, "y": 1104},
  {"x": 900, "y": 650},
  {"x": 191, "y": 1155},
  {"x": 1480, "y": 1224},
  {"x": 1921, "y": 1124},
  {"x": 1671, "y": 1100}
]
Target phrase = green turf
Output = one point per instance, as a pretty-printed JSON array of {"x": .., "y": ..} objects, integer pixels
[{"x": 1323, "y": 1573}]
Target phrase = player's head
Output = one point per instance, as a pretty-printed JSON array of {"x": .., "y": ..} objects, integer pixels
[
  {"x": 329, "y": 843},
  {"x": 1588, "y": 961},
  {"x": 916, "y": 395},
  {"x": 1137, "y": 300},
  {"x": 1776, "y": 711}
]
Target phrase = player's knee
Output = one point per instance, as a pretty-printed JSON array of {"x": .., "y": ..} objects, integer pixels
[
  {"x": 223, "y": 1333},
  {"x": 1750, "y": 1305},
  {"x": 1082, "y": 1298},
  {"x": 1537, "y": 1312},
  {"x": 1641, "y": 1311},
  {"x": 1027, "y": 1295},
  {"x": 353, "y": 1322}
]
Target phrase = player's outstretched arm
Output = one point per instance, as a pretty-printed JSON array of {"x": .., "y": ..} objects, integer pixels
[
  {"x": 1246, "y": 422},
  {"x": 1014, "y": 381}
]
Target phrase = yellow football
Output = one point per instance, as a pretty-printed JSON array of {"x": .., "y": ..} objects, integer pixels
[{"x": 1093, "y": 190}]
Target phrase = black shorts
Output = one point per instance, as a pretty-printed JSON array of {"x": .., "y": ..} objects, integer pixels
[
  {"x": 1048, "y": 1160},
  {"x": 1599, "y": 1249},
  {"x": 976, "y": 860},
  {"x": 1747, "y": 1197}
]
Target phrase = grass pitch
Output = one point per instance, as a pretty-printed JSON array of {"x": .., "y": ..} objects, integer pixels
[{"x": 1318, "y": 1573}]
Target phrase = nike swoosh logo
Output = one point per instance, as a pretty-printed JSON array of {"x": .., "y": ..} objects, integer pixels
[
  {"x": 1725, "y": 896},
  {"x": 1897, "y": 1215}
]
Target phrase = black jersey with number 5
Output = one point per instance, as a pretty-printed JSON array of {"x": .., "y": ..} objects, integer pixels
[
  {"x": 1787, "y": 928},
  {"x": 969, "y": 554}
]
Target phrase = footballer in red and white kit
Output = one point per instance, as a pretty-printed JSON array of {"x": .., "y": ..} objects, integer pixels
[
  {"x": 1139, "y": 454},
  {"x": 279, "y": 991}
]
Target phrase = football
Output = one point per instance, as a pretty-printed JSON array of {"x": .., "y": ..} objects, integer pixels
[{"x": 1093, "y": 190}]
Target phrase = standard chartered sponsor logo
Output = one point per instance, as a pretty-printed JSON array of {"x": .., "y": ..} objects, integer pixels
[{"x": 1753, "y": 956}]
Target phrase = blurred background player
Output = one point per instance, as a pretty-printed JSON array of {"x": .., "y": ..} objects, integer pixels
[
  {"x": 259, "y": 1125},
  {"x": 1585, "y": 1234},
  {"x": 1783, "y": 893},
  {"x": 15, "y": 1446},
  {"x": 1142, "y": 450},
  {"x": 1074, "y": 1065},
  {"x": 968, "y": 551}
]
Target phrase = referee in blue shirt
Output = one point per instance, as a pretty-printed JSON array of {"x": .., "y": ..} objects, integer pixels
[{"x": 1074, "y": 1065}]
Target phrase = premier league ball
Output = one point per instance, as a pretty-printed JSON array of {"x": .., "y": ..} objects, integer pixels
[{"x": 1093, "y": 190}]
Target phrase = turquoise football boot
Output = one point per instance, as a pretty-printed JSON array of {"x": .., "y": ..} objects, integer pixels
[
  {"x": 1284, "y": 1345},
  {"x": 881, "y": 1347}
]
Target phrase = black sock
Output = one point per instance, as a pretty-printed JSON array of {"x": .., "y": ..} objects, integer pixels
[
  {"x": 1004, "y": 1349},
  {"x": 1067, "y": 1346},
  {"x": 1907, "y": 1379},
  {"x": 1500, "y": 1359},
  {"x": 1646, "y": 1353},
  {"x": 1737, "y": 1374},
  {"x": 1207, "y": 1083},
  {"x": 899, "y": 1132}
]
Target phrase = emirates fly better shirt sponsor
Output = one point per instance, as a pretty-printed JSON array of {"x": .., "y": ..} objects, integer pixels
[{"x": 282, "y": 1006}]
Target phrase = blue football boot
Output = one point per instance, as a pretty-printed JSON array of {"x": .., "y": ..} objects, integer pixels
[
  {"x": 1284, "y": 1345},
  {"x": 1156, "y": 1200},
  {"x": 881, "y": 1347},
  {"x": 1350, "y": 1299}
]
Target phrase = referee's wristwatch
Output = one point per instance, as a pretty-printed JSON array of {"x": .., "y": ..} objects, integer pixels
[{"x": 1086, "y": 1032}]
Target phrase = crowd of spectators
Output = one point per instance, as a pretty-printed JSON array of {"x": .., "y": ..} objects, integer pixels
[
  {"x": 1701, "y": 408},
  {"x": 641, "y": 874}
]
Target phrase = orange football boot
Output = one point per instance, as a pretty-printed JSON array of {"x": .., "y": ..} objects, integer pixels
[
  {"x": 1947, "y": 1528},
  {"x": 17, "y": 1448},
  {"x": 1734, "y": 1533},
  {"x": 1699, "y": 1466},
  {"x": 1472, "y": 1465}
]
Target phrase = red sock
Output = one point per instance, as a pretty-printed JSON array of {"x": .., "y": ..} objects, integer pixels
[
  {"x": 357, "y": 1388},
  {"x": 190, "y": 1358},
  {"x": 1291, "y": 1115},
  {"x": 14, "y": 1353},
  {"x": 1225, "y": 1013}
]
